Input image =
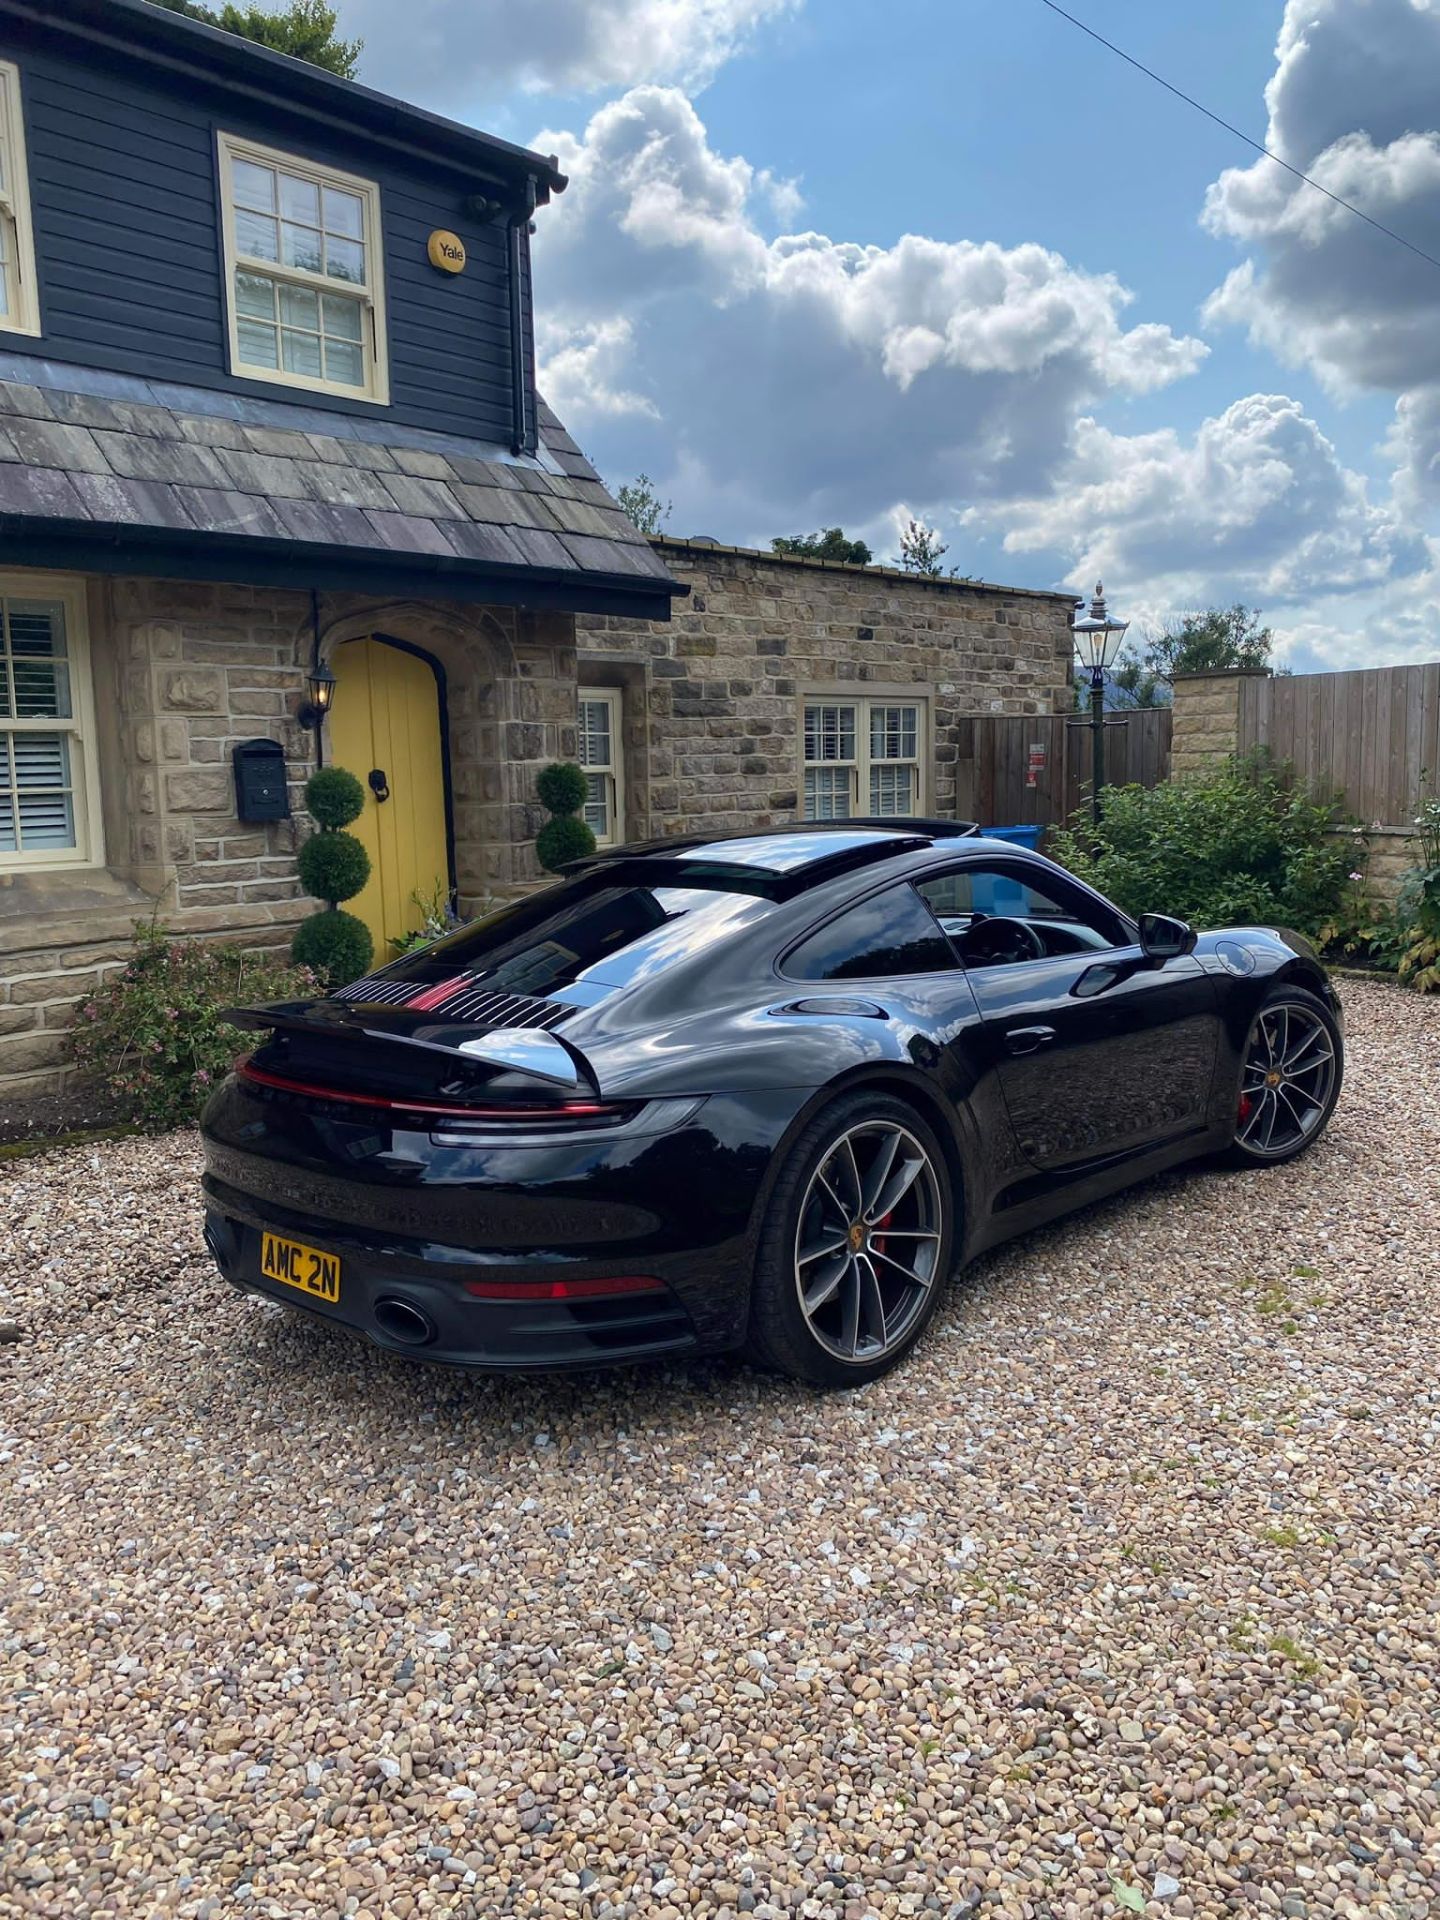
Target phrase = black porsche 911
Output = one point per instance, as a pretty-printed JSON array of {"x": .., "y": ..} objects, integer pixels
[{"x": 765, "y": 1091}]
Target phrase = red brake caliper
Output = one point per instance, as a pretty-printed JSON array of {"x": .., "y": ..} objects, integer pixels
[
  {"x": 1247, "y": 1107},
  {"x": 880, "y": 1226}
]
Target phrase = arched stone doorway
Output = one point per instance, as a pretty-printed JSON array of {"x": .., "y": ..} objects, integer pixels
[{"x": 389, "y": 727}]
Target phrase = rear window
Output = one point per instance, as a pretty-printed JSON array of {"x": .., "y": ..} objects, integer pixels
[
  {"x": 585, "y": 937},
  {"x": 891, "y": 934}
]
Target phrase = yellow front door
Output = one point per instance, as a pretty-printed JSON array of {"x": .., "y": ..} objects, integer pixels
[{"x": 385, "y": 720}]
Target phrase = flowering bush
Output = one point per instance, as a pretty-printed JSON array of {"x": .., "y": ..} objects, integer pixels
[
  {"x": 1418, "y": 908},
  {"x": 438, "y": 917},
  {"x": 153, "y": 1035}
]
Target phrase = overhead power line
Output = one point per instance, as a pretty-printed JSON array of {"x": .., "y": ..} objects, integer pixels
[{"x": 1259, "y": 146}]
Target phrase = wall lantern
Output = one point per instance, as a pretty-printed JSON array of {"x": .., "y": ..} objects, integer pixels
[{"x": 322, "y": 696}]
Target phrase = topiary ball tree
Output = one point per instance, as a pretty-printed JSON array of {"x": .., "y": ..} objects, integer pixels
[
  {"x": 333, "y": 797},
  {"x": 333, "y": 867},
  {"x": 333, "y": 944},
  {"x": 563, "y": 791}
]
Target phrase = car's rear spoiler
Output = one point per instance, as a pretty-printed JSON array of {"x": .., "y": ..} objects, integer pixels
[{"x": 536, "y": 1054}]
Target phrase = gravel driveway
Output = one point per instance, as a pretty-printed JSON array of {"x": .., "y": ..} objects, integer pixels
[{"x": 1120, "y": 1596}]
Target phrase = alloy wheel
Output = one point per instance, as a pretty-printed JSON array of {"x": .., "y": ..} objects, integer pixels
[
  {"x": 1287, "y": 1082},
  {"x": 867, "y": 1247}
]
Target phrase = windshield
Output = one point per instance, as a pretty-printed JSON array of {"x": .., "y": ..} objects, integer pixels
[{"x": 584, "y": 938}]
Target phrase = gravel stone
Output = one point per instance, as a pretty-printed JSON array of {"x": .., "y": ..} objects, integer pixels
[{"x": 294, "y": 1630}]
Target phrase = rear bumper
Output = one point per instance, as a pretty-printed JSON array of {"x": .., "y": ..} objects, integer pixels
[
  {"x": 413, "y": 1217},
  {"x": 408, "y": 1305}
]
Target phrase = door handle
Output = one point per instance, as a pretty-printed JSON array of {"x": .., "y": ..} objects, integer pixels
[
  {"x": 379, "y": 784},
  {"x": 1029, "y": 1039}
]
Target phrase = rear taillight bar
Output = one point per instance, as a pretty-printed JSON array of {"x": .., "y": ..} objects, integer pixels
[
  {"x": 563, "y": 1289},
  {"x": 449, "y": 1110}
]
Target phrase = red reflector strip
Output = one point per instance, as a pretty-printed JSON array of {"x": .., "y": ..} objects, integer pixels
[
  {"x": 429, "y": 998},
  {"x": 569, "y": 1110},
  {"x": 562, "y": 1289}
]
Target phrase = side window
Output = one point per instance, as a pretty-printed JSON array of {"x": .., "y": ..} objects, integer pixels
[
  {"x": 892, "y": 933},
  {"x": 19, "y": 300},
  {"x": 1062, "y": 918},
  {"x": 599, "y": 736},
  {"x": 49, "y": 785}
]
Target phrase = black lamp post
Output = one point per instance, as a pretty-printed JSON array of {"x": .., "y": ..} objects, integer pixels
[{"x": 1097, "y": 641}]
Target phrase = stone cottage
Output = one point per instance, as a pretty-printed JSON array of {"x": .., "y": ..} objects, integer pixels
[
  {"x": 276, "y": 485},
  {"x": 267, "y": 416}
]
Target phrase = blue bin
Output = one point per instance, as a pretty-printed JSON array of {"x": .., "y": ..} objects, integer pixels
[{"x": 993, "y": 893}]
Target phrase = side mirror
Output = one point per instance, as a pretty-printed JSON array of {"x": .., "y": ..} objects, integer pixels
[{"x": 1165, "y": 938}]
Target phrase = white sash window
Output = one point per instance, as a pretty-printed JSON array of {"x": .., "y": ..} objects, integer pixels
[
  {"x": 304, "y": 273},
  {"x": 864, "y": 757}
]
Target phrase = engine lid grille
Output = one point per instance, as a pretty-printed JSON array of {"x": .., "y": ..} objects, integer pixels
[{"x": 461, "y": 998}]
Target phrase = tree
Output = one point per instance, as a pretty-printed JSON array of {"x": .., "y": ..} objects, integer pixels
[
  {"x": 1206, "y": 642},
  {"x": 1133, "y": 683},
  {"x": 922, "y": 550},
  {"x": 1202, "y": 642},
  {"x": 641, "y": 505},
  {"x": 829, "y": 544},
  {"x": 305, "y": 30}
]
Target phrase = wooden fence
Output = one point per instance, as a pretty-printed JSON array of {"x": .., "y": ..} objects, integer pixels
[
  {"x": 1372, "y": 735},
  {"x": 1034, "y": 769}
]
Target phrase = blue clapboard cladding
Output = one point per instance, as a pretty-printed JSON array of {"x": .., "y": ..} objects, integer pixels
[{"x": 123, "y": 174}]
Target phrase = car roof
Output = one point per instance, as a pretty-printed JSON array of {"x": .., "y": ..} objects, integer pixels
[{"x": 799, "y": 846}]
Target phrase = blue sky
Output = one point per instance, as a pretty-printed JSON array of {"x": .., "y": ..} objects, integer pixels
[
  {"x": 728, "y": 297},
  {"x": 997, "y": 119}
]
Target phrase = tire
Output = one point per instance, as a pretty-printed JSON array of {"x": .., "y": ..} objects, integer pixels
[
  {"x": 885, "y": 1269},
  {"x": 1290, "y": 1031}
]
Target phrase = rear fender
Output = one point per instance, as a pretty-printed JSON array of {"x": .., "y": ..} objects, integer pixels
[{"x": 901, "y": 1083}]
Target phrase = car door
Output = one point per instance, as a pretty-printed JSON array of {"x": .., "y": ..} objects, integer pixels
[{"x": 1100, "y": 1052}]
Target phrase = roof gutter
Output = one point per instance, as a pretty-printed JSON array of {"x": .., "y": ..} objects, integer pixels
[
  {"x": 522, "y": 437},
  {"x": 255, "y": 560}
]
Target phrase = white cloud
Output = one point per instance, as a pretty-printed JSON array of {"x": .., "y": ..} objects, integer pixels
[
  {"x": 462, "y": 53},
  {"x": 584, "y": 370},
  {"x": 800, "y": 379},
  {"x": 1255, "y": 506},
  {"x": 1353, "y": 102}
]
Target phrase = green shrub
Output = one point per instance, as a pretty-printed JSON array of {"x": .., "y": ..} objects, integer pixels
[
  {"x": 1235, "y": 846},
  {"x": 333, "y": 797},
  {"x": 563, "y": 839},
  {"x": 153, "y": 1036},
  {"x": 337, "y": 946},
  {"x": 333, "y": 867},
  {"x": 562, "y": 788}
]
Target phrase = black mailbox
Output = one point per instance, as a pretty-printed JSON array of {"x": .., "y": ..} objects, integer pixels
[{"x": 261, "y": 791}]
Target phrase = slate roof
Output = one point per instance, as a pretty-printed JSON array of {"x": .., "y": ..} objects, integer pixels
[{"x": 133, "y": 464}]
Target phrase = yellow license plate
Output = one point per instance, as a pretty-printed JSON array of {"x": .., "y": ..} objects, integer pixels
[{"x": 304, "y": 1268}]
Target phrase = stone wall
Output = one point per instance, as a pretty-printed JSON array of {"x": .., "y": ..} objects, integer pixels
[
  {"x": 712, "y": 702},
  {"x": 183, "y": 672},
  {"x": 1207, "y": 718}
]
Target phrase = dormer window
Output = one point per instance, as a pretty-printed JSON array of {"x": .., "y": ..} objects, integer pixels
[
  {"x": 304, "y": 273},
  {"x": 19, "y": 300}
]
